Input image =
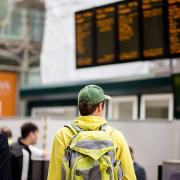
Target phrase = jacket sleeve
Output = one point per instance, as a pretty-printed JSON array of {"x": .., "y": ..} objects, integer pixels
[
  {"x": 123, "y": 154},
  {"x": 61, "y": 141}
]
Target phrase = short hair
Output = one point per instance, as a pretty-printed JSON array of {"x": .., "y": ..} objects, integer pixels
[
  {"x": 27, "y": 128},
  {"x": 86, "y": 109},
  {"x": 6, "y": 131}
]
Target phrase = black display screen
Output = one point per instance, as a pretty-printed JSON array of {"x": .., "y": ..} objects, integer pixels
[
  {"x": 128, "y": 31},
  {"x": 174, "y": 27},
  {"x": 176, "y": 90},
  {"x": 153, "y": 31},
  {"x": 105, "y": 34},
  {"x": 84, "y": 38}
]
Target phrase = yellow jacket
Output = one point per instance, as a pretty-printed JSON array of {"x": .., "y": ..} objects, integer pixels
[{"x": 64, "y": 136}]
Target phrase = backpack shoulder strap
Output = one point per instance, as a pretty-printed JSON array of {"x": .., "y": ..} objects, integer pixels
[
  {"x": 74, "y": 128},
  {"x": 107, "y": 128},
  {"x": 71, "y": 128}
]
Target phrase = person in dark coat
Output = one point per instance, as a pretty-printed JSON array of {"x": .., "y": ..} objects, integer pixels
[
  {"x": 139, "y": 170},
  {"x": 5, "y": 172}
]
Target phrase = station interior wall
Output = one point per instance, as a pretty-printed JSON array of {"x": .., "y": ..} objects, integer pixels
[{"x": 153, "y": 142}]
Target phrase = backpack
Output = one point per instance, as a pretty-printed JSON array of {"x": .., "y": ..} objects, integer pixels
[{"x": 90, "y": 156}]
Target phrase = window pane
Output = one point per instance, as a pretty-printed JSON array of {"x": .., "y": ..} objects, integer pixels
[
  {"x": 157, "y": 109},
  {"x": 122, "y": 110}
]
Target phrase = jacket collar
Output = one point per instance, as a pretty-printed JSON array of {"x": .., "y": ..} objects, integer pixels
[{"x": 90, "y": 122}]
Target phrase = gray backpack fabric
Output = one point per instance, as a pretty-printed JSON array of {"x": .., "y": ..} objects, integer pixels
[{"x": 90, "y": 156}]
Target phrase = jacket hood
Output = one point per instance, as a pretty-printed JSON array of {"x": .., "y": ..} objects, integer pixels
[{"x": 90, "y": 122}]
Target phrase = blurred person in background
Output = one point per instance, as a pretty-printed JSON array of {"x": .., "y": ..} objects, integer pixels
[
  {"x": 8, "y": 133},
  {"x": 5, "y": 168},
  {"x": 20, "y": 152},
  {"x": 139, "y": 170}
]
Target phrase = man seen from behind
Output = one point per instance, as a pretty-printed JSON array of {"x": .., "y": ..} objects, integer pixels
[{"x": 81, "y": 150}]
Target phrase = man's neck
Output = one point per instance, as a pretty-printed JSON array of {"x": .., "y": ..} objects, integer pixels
[
  {"x": 25, "y": 142},
  {"x": 96, "y": 114}
]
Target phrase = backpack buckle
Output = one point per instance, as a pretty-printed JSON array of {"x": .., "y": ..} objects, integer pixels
[
  {"x": 78, "y": 173},
  {"x": 109, "y": 170}
]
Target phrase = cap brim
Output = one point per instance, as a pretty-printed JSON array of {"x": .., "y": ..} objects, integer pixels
[{"x": 108, "y": 97}]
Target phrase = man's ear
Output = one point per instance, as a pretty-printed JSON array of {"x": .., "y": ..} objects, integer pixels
[
  {"x": 101, "y": 105},
  {"x": 98, "y": 108}
]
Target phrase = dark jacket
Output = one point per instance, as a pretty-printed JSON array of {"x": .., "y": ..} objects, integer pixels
[
  {"x": 16, "y": 153},
  {"x": 4, "y": 159},
  {"x": 140, "y": 172}
]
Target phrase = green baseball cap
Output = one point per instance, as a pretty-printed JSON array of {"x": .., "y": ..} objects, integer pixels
[{"x": 92, "y": 94}]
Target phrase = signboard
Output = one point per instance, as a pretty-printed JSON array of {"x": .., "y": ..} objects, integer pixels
[
  {"x": 153, "y": 31},
  {"x": 128, "y": 31},
  {"x": 8, "y": 93},
  {"x": 105, "y": 34},
  {"x": 174, "y": 27},
  {"x": 84, "y": 38}
]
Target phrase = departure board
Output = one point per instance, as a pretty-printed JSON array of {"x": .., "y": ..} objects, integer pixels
[
  {"x": 84, "y": 38},
  {"x": 128, "y": 31},
  {"x": 153, "y": 31},
  {"x": 105, "y": 34},
  {"x": 174, "y": 27}
]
